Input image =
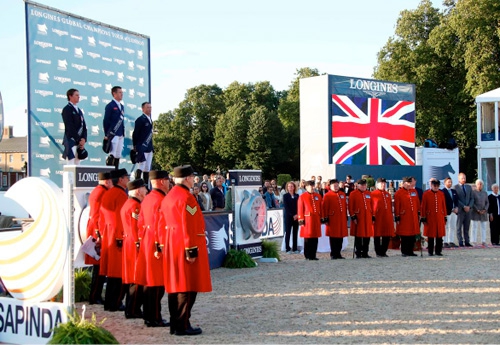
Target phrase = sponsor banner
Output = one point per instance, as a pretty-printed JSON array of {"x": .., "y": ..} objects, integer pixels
[
  {"x": 22, "y": 322},
  {"x": 67, "y": 51},
  {"x": 246, "y": 177},
  {"x": 372, "y": 122},
  {"x": 438, "y": 163},
  {"x": 274, "y": 224},
  {"x": 217, "y": 235},
  {"x": 252, "y": 249}
]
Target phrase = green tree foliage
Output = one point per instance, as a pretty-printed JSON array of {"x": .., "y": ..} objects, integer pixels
[{"x": 451, "y": 57}]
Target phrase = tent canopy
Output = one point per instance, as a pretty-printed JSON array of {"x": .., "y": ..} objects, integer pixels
[{"x": 490, "y": 96}]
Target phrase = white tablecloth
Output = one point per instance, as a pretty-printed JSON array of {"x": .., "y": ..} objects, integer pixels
[{"x": 323, "y": 242}]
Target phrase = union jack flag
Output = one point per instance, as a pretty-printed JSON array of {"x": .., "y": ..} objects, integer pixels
[{"x": 372, "y": 131}]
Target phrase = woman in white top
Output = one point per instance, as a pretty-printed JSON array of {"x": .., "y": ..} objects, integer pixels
[{"x": 205, "y": 196}]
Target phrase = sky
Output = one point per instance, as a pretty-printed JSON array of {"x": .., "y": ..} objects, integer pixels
[{"x": 217, "y": 42}]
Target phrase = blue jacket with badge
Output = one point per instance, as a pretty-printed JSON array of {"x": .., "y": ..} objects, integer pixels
[{"x": 112, "y": 115}]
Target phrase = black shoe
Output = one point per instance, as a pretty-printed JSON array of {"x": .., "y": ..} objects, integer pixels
[
  {"x": 340, "y": 257},
  {"x": 404, "y": 255},
  {"x": 431, "y": 254},
  {"x": 439, "y": 254},
  {"x": 367, "y": 256},
  {"x": 412, "y": 254},
  {"x": 468, "y": 245},
  {"x": 460, "y": 244},
  {"x": 333, "y": 258},
  {"x": 133, "y": 316},
  {"x": 162, "y": 323},
  {"x": 313, "y": 259},
  {"x": 99, "y": 301},
  {"x": 189, "y": 331}
]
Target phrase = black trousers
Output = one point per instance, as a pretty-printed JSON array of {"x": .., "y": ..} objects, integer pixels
[
  {"x": 179, "y": 306},
  {"x": 336, "y": 247},
  {"x": 495, "y": 229},
  {"x": 291, "y": 227},
  {"x": 310, "y": 247},
  {"x": 362, "y": 246},
  {"x": 439, "y": 245},
  {"x": 134, "y": 298},
  {"x": 152, "y": 303},
  {"x": 381, "y": 244},
  {"x": 407, "y": 244},
  {"x": 114, "y": 294},
  {"x": 96, "y": 285}
]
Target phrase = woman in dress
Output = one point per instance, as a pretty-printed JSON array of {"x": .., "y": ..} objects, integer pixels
[
  {"x": 205, "y": 196},
  {"x": 479, "y": 216}
]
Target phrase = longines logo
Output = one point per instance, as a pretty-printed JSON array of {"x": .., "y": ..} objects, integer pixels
[
  {"x": 105, "y": 44},
  {"x": 79, "y": 53},
  {"x": 119, "y": 61},
  {"x": 43, "y": 44},
  {"x": 120, "y": 76},
  {"x": 96, "y": 71},
  {"x": 105, "y": 101},
  {"x": 58, "y": 110},
  {"x": 93, "y": 55},
  {"x": 107, "y": 73},
  {"x": 79, "y": 38},
  {"x": 94, "y": 143},
  {"x": 132, "y": 106},
  {"x": 91, "y": 41},
  {"x": 117, "y": 48},
  {"x": 62, "y": 80},
  {"x": 60, "y": 95},
  {"x": 94, "y": 114},
  {"x": 44, "y": 93},
  {"x": 94, "y": 100},
  {"x": 61, "y": 49},
  {"x": 81, "y": 83},
  {"x": 44, "y": 156},
  {"x": 94, "y": 85},
  {"x": 141, "y": 67},
  {"x": 128, "y": 50},
  {"x": 60, "y": 127},
  {"x": 60, "y": 32},
  {"x": 95, "y": 159},
  {"x": 107, "y": 59},
  {"x": 131, "y": 78},
  {"x": 131, "y": 65},
  {"x": 44, "y": 62},
  {"x": 62, "y": 65},
  {"x": 42, "y": 29},
  {"x": 43, "y": 78},
  {"x": 141, "y": 94},
  {"x": 78, "y": 67},
  {"x": 83, "y": 98},
  {"x": 44, "y": 124}
]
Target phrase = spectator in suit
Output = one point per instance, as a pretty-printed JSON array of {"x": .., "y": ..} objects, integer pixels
[
  {"x": 451, "y": 199},
  {"x": 465, "y": 203},
  {"x": 75, "y": 129},
  {"x": 217, "y": 195},
  {"x": 494, "y": 211},
  {"x": 479, "y": 213},
  {"x": 114, "y": 128},
  {"x": 142, "y": 139}
]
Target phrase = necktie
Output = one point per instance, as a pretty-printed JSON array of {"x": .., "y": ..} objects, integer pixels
[
  {"x": 498, "y": 204},
  {"x": 463, "y": 188}
]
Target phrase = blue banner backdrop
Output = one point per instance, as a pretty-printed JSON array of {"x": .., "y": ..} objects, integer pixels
[
  {"x": 67, "y": 51},
  {"x": 217, "y": 232}
]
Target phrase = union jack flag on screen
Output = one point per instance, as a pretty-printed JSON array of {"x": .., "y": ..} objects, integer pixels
[{"x": 372, "y": 131}]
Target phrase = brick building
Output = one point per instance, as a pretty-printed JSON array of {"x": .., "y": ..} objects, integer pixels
[{"x": 13, "y": 158}]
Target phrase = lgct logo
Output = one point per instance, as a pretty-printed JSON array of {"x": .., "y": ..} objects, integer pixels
[
  {"x": 45, "y": 172},
  {"x": 95, "y": 130},
  {"x": 79, "y": 53},
  {"x": 131, "y": 93},
  {"x": 120, "y": 76},
  {"x": 43, "y": 78},
  {"x": 42, "y": 29},
  {"x": 141, "y": 81},
  {"x": 108, "y": 87},
  {"x": 94, "y": 100},
  {"x": 44, "y": 141},
  {"x": 140, "y": 54},
  {"x": 62, "y": 65},
  {"x": 131, "y": 65},
  {"x": 91, "y": 41}
]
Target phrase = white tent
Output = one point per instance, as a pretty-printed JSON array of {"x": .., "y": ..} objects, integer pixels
[{"x": 490, "y": 96}]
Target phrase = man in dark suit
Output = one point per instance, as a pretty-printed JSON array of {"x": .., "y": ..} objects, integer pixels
[
  {"x": 451, "y": 198},
  {"x": 114, "y": 128},
  {"x": 494, "y": 212},
  {"x": 142, "y": 138},
  {"x": 217, "y": 195},
  {"x": 465, "y": 203},
  {"x": 75, "y": 129}
]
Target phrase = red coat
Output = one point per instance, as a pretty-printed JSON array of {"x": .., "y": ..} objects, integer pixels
[
  {"x": 360, "y": 205},
  {"x": 382, "y": 210},
  {"x": 149, "y": 269},
  {"x": 407, "y": 207},
  {"x": 93, "y": 223},
  {"x": 335, "y": 208},
  {"x": 434, "y": 211},
  {"x": 130, "y": 215},
  {"x": 309, "y": 209},
  {"x": 182, "y": 227},
  {"x": 110, "y": 224}
]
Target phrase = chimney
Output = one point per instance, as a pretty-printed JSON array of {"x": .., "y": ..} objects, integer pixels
[{"x": 8, "y": 132}]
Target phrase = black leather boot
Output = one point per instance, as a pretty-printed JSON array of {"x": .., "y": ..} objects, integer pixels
[
  {"x": 117, "y": 163},
  {"x": 137, "y": 174},
  {"x": 110, "y": 160}
]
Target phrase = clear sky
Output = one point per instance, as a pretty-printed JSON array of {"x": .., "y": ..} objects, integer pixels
[{"x": 197, "y": 42}]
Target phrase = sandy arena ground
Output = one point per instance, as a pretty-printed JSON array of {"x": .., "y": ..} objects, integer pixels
[{"x": 451, "y": 299}]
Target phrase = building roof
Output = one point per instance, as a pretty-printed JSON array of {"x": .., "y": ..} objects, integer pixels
[
  {"x": 490, "y": 96},
  {"x": 15, "y": 144}
]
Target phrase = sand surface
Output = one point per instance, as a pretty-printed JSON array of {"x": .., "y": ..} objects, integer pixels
[{"x": 451, "y": 299}]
